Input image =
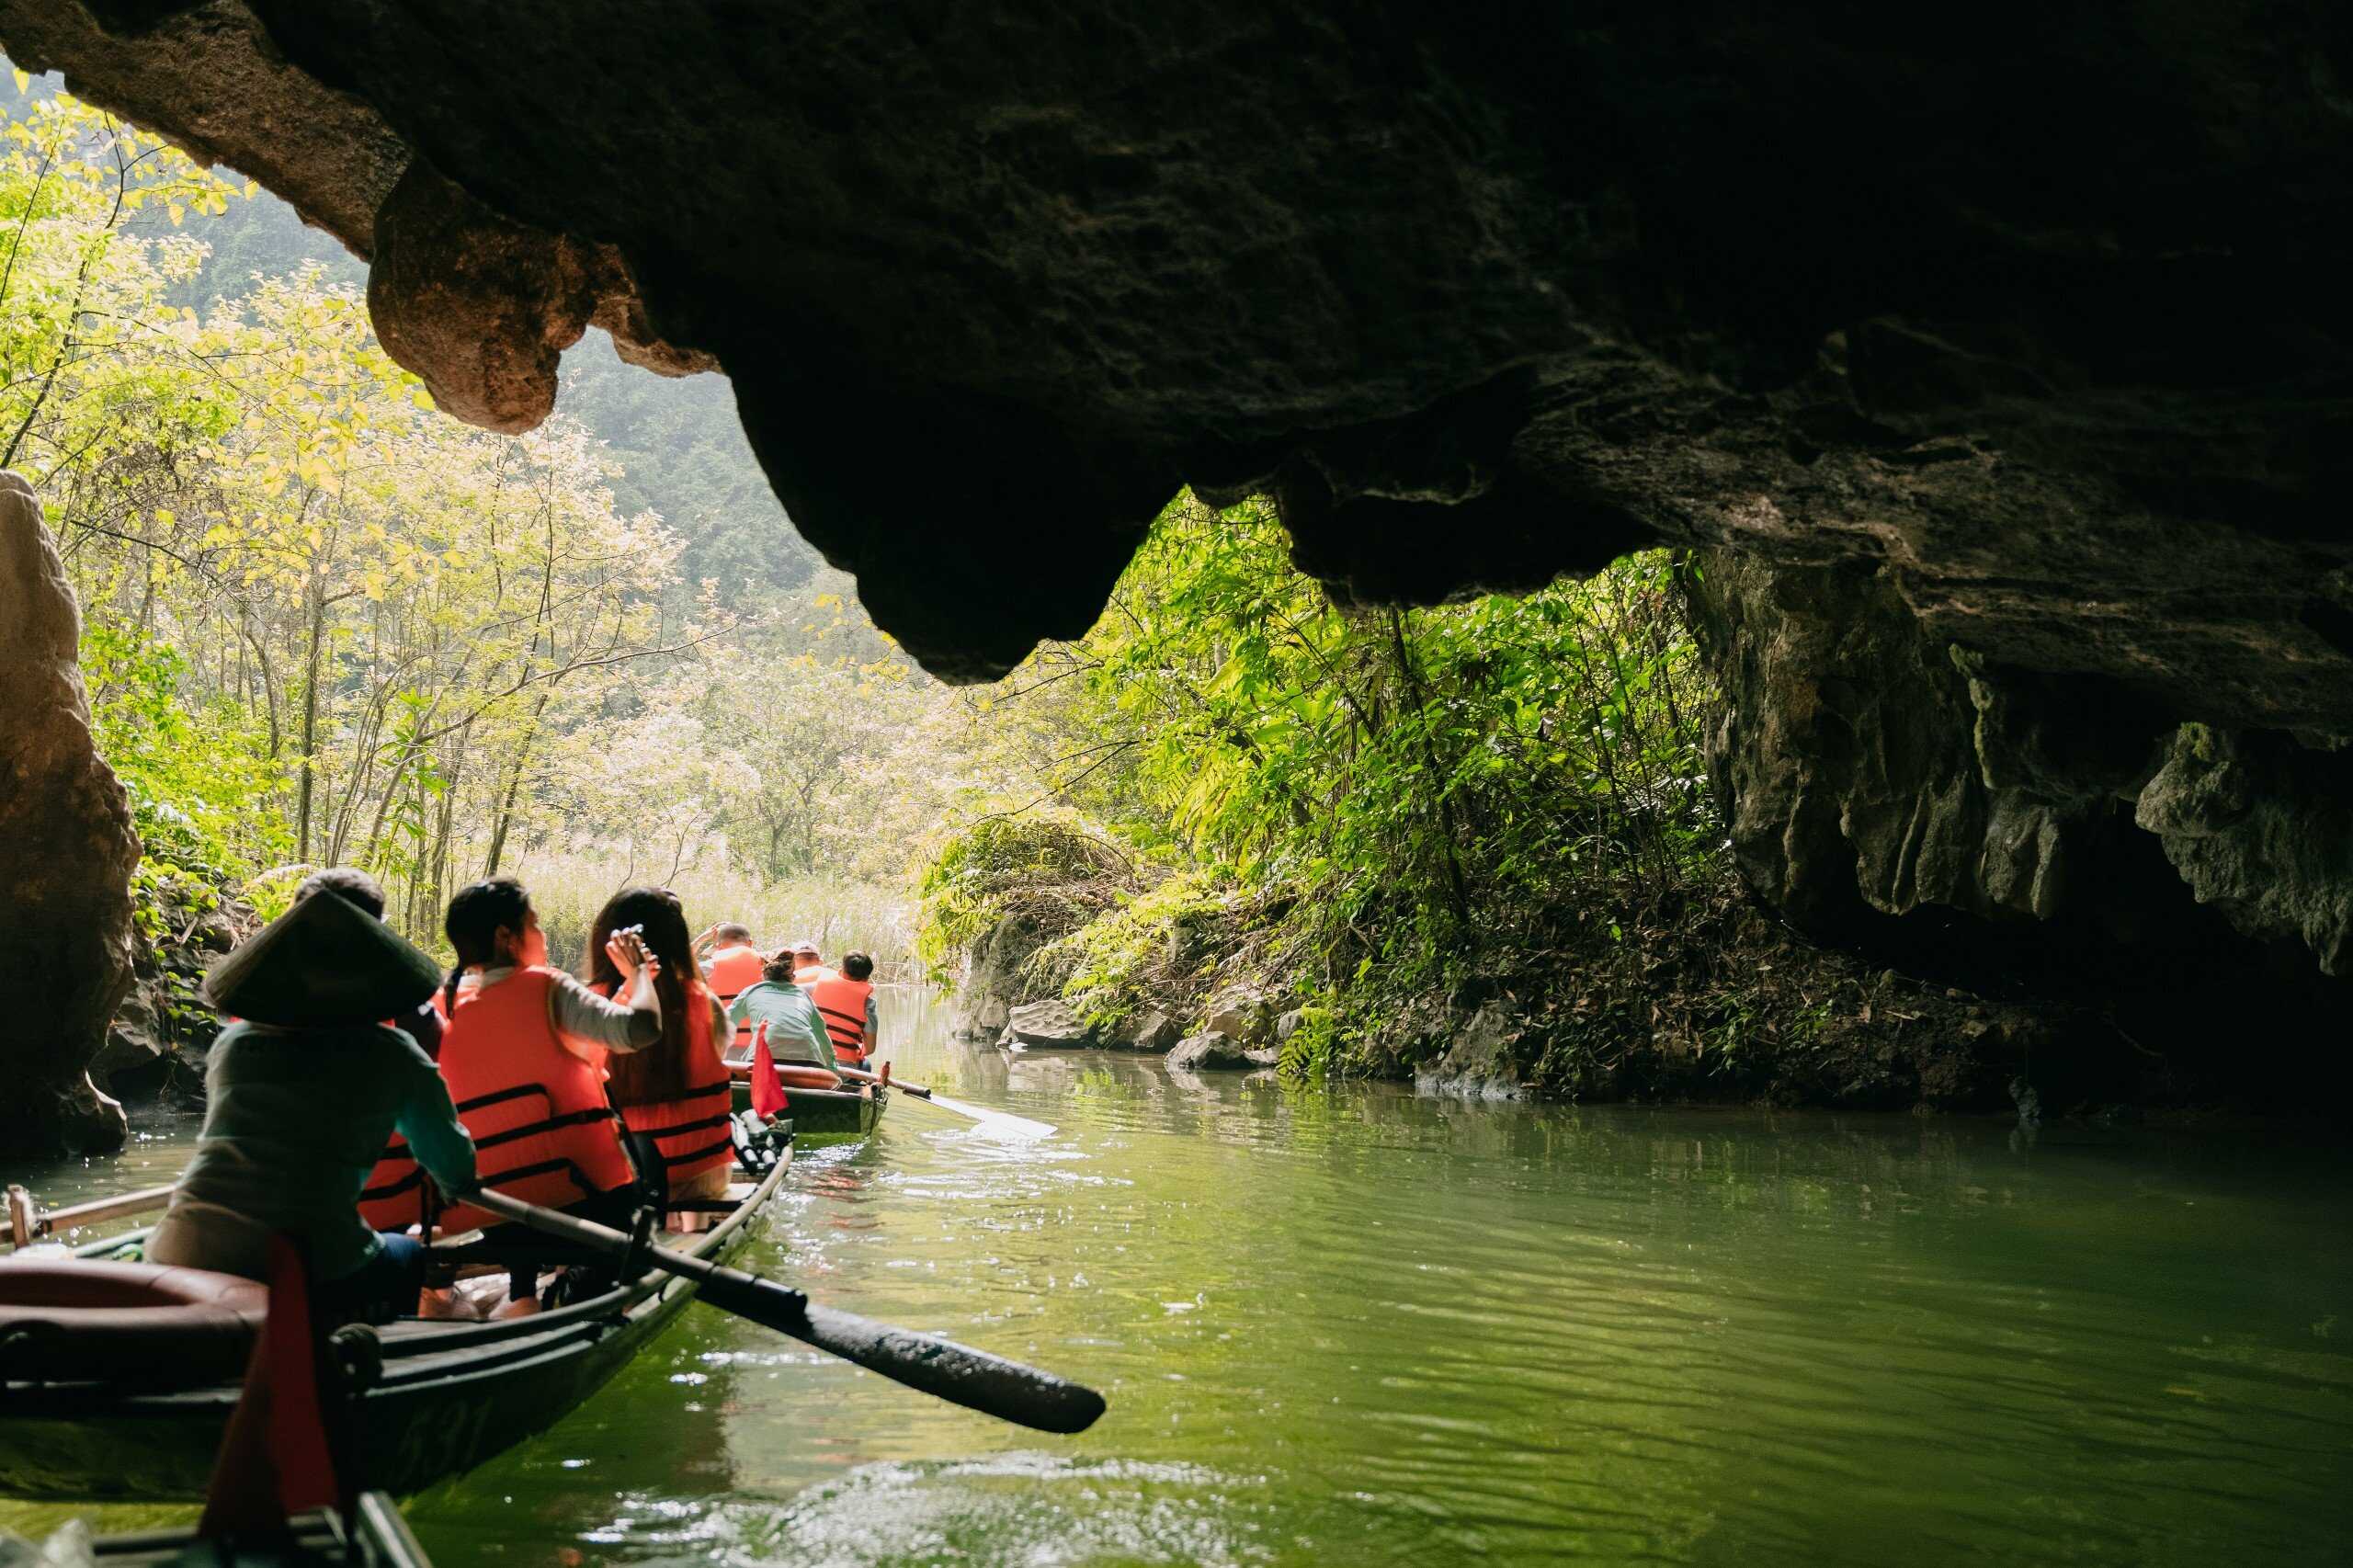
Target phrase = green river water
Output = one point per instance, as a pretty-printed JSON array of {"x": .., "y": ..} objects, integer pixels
[{"x": 1354, "y": 1327}]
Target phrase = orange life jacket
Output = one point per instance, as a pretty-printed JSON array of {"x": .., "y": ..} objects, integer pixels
[
  {"x": 841, "y": 1002},
  {"x": 691, "y": 1129},
  {"x": 735, "y": 970},
  {"x": 396, "y": 1196},
  {"x": 541, "y": 1127}
]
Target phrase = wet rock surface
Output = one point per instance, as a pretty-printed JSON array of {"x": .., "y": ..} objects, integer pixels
[
  {"x": 1148, "y": 1028},
  {"x": 1479, "y": 1063},
  {"x": 66, "y": 852},
  {"x": 1212, "y": 1052},
  {"x": 2037, "y": 836},
  {"x": 2073, "y": 370},
  {"x": 2261, "y": 828},
  {"x": 1047, "y": 1025}
]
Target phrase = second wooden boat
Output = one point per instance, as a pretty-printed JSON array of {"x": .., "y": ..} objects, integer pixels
[
  {"x": 824, "y": 1116},
  {"x": 371, "y": 1535}
]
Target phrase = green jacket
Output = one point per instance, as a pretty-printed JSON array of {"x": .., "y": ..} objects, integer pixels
[
  {"x": 795, "y": 1031},
  {"x": 294, "y": 1121}
]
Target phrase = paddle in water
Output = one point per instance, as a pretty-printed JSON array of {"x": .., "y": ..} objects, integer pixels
[
  {"x": 1009, "y": 1390},
  {"x": 997, "y": 1120}
]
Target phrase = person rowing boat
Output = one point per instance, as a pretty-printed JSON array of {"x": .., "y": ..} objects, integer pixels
[
  {"x": 304, "y": 1089},
  {"x": 796, "y": 1030},
  {"x": 845, "y": 1004}
]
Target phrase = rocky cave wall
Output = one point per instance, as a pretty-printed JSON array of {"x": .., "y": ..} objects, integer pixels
[
  {"x": 2040, "y": 835},
  {"x": 2016, "y": 358},
  {"x": 66, "y": 852}
]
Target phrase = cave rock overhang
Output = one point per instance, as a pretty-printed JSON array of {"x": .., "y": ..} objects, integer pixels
[{"x": 2051, "y": 324}]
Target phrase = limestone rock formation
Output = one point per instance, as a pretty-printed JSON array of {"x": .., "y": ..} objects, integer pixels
[
  {"x": 1866, "y": 760},
  {"x": 1242, "y": 1014},
  {"x": 1147, "y": 1029},
  {"x": 2049, "y": 323},
  {"x": 1209, "y": 1051},
  {"x": 1047, "y": 1025},
  {"x": 1890, "y": 790},
  {"x": 482, "y": 307},
  {"x": 992, "y": 985},
  {"x": 66, "y": 852},
  {"x": 2262, "y": 828},
  {"x": 1478, "y": 1062}
]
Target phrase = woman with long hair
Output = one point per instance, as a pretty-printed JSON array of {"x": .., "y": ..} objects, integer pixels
[
  {"x": 524, "y": 1054},
  {"x": 675, "y": 1094}
]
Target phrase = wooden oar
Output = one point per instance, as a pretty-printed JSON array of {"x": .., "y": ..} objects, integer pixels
[
  {"x": 28, "y": 1224},
  {"x": 1003, "y": 1120},
  {"x": 1009, "y": 1390}
]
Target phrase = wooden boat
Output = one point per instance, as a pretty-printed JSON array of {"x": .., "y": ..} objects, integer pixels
[
  {"x": 823, "y": 1115},
  {"x": 433, "y": 1399},
  {"x": 372, "y": 1535}
]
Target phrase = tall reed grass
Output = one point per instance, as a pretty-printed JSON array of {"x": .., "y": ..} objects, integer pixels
[{"x": 568, "y": 886}]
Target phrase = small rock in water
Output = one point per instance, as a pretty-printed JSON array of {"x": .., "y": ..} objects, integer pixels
[
  {"x": 1208, "y": 1049},
  {"x": 1150, "y": 1030},
  {"x": 2029, "y": 1104}
]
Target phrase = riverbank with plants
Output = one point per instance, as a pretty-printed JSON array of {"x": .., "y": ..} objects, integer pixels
[{"x": 1472, "y": 844}]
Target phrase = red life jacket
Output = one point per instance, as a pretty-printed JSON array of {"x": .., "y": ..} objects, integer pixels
[
  {"x": 842, "y": 1004},
  {"x": 397, "y": 1195},
  {"x": 735, "y": 970},
  {"x": 691, "y": 1129},
  {"x": 541, "y": 1127}
]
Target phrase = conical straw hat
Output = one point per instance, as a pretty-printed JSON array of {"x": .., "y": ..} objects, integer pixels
[{"x": 323, "y": 962}]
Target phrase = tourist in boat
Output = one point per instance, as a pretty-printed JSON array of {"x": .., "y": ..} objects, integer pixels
[
  {"x": 302, "y": 1090},
  {"x": 733, "y": 966},
  {"x": 524, "y": 1055},
  {"x": 846, "y": 1004},
  {"x": 422, "y": 1023},
  {"x": 808, "y": 964},
  {"x": 674, "y": 1095},
  {"x": 796, "y": 1030},
  {"x": 397, "y": 1198}
]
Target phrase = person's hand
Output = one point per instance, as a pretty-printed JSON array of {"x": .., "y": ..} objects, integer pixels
[
  {"x": 629, "y": 953},
  {"x": 623, "y": 948}
]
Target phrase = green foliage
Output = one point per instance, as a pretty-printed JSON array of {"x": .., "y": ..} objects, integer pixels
[
  {"x": 1138, "y": 952},
  {"x": 1047, "y": 873},
  {"x": 1431, "y": 785},
  {"x": 1415, "y": 802},
  {"x": 198, "y": 777}
]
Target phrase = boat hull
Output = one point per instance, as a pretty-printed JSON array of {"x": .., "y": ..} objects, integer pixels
[
  {"x": 432, "y": 1414},
  {"x": 824, "y": 1116}
]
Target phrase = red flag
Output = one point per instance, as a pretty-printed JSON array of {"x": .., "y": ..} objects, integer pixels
[
  {"x": 767, "y": 1089},
  {"x": 273, "y": 1460}
]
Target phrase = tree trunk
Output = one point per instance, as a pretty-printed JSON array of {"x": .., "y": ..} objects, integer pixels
[
  {"x": 1456, "y": 884},
  {"x": 309, "y": 720}
]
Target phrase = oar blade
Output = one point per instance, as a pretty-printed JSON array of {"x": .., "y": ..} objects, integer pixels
[
  {"x": 1003, "y": 1121},
  {"x": 1009, "y": 1390}
]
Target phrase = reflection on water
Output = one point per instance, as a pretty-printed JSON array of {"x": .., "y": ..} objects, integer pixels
[{"x": 1357, "y": 1327}]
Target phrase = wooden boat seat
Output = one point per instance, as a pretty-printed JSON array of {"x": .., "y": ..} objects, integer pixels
[{"x": 144, "y": 1323}]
